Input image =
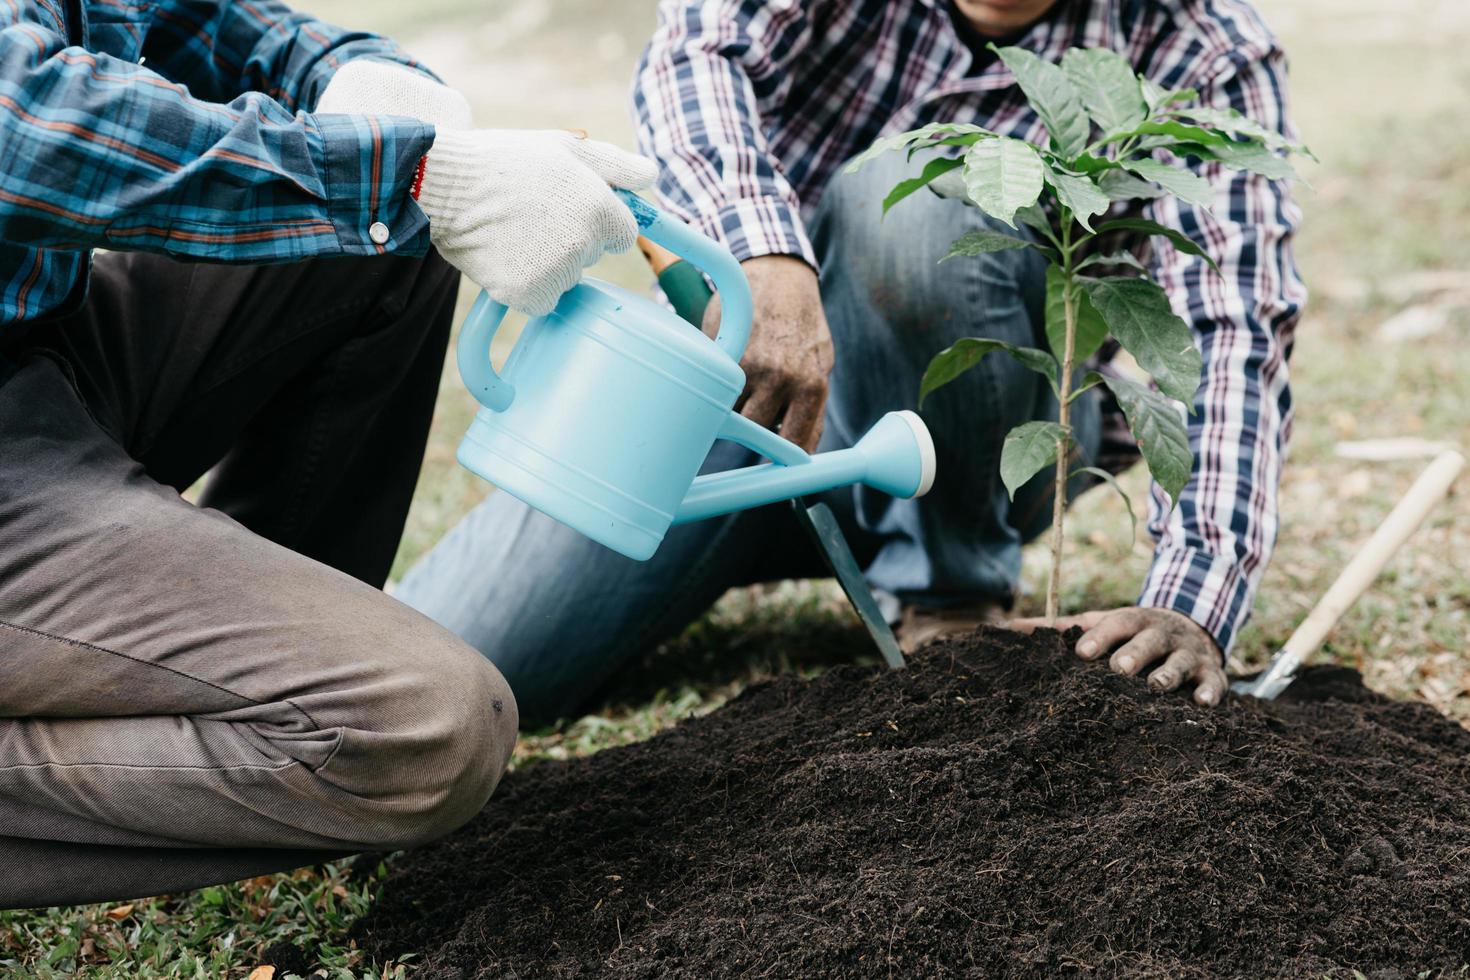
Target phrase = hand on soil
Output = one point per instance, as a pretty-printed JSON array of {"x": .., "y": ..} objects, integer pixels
[
  {"x": 789, "y": 360},
  {"x": 1138, "y": 638}
]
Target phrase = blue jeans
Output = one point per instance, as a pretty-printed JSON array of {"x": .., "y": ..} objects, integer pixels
[{"x": 559, "y": 614}]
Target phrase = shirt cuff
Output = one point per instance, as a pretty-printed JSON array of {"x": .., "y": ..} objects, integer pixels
[
  {"x": 1209, "y": 589},
  {"x": 751, "y": 228},
  {"x": 370, "y": 163}
]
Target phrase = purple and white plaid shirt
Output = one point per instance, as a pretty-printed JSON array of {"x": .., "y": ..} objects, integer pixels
[{"x": 751, "y": 106}]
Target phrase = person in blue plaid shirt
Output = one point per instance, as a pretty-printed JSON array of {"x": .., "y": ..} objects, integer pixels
[
  {"x": 190, "y": 695},
  {"x": 751, "y": 108}
]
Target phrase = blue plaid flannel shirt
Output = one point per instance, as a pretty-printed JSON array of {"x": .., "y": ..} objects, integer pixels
[{"x": 177, "y": 126}]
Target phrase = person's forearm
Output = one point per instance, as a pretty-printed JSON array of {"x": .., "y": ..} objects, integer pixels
[
  {"x": 1215, "y": 545},
  {"x": 224, "y": 50},
  {"x": 717, "y": 169},
  {"x": 148, "y": 167}
]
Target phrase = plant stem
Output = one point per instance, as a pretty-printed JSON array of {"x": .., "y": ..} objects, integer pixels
[{"x": 1064, "y": 418}]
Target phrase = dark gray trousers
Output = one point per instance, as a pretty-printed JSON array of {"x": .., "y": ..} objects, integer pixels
[{"x": 194, "y": 694}]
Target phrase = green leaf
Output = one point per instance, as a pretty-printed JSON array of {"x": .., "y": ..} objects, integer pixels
[
  {"x": 1180, "y": 240},
  {"x": 1090, "y": 382},
  {"x": 1158, "y": 99},
  {"x": 1080, "y": 196},
  {"x": 1004, "y": 175},
  {"x": 1252, "y": 157},
  {"x": 1188, "y": 187},
  {"x": 1089, "y": 164},
  {"x": 967, "y": 352},
  {"x": 1119, "y": 185},
  {"x": 899, "y": 141},
  {"x": 1256, "y": 159},
  {"x": 982, "y": 242},
  {"x": 1091, "y": 329},
  {"x": 1029, "y": 449},
  {"x": 1176, "y": 131},
  {"x": 968, "y": 139},
  {"x": 1035, "y": 218},
  {"x": 1138, "y": 314},
  {"x": 934, "y": 168},
  {"x": 1114, "y": 259},
  {"x": 1161, "y": 435},
  {"x": 1237, "y": 124},
  {"x": 951, "y": 186},
  {"x": 1108, "y": 87},
  {"x": 1053, "y": 97},
  {"x": 1111, "y": 481}
]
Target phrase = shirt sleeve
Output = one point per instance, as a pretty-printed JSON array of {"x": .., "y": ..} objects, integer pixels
[
  {"x": 222, "y": 49},
  {"x": 1214, "y": 547},
  {"x": 105, "y": 153},
  {"x": 695, "y": 102}
]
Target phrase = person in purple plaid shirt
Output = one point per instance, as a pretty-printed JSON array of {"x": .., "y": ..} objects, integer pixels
[
  {"x": 191, "y": 694},
  {"x": 751, "y": 108}
]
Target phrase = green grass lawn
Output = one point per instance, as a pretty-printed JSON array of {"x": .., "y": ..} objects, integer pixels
[{"x": 1386, "y": 111}]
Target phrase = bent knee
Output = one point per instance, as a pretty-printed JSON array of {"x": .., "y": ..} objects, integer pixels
[
  {"x": 434, "y": 740},
  {"x": 896, "y": 262}
]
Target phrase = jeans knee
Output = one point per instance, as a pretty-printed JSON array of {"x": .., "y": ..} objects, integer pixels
[
  {"x": 896, "y": 265},
  {"x": 849, "y": 218}
]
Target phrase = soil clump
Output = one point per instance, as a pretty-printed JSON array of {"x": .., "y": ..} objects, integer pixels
[{"x": 998, "y": 809}]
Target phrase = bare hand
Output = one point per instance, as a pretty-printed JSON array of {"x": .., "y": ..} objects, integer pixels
[
  {"x": 789, "y": 360},
  {"x": 1143, "y": 637}
]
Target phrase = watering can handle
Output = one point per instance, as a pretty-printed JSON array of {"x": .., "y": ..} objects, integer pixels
[
  {"x": 473, "y": 349},
  {"x": 711, "y": 258},
  {"x": 473, "y": 353}
]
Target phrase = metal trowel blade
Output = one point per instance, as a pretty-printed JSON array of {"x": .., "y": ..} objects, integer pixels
[
  {"x": 1276, "y": 678},
  {"x": 821, "y": 524}
]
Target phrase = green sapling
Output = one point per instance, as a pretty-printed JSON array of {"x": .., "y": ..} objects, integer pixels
[{"x": 1107, "y": 128}]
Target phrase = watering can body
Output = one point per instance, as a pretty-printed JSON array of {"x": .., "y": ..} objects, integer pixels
[{"x": 607, "y": 407}]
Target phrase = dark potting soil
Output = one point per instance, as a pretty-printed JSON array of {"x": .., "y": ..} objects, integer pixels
[{"x": 998, "y": 809}]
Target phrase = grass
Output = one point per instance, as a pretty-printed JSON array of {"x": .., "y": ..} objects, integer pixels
[
  {"x": 1387, "y": 114},
  {"x": 215, "y": 932}
]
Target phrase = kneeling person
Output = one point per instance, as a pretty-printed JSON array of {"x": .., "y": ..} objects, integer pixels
[
  {"x": 190, "y": 695},
  {"x": 754, "y": 108}
]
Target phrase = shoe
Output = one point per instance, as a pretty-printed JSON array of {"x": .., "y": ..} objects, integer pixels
[{"x": 920, "y": 626}]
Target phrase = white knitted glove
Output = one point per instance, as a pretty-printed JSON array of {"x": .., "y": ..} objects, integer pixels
[
  {"x": 523, "y": 212},
  {"x": 386, "y": 88}
]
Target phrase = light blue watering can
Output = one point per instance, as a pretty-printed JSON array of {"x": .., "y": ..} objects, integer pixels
[{"x": 608, "y": 406}]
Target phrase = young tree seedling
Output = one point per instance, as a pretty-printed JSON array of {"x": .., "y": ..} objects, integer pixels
[{"x": 1113, "y": 136}]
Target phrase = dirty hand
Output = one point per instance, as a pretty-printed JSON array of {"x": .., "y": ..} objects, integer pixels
[
  {"x": 1144, "y": 636},
  {"x": 523, "y": 212},
  {"x": 789, "y": 359},
  {"x": 385, "y": 88}
]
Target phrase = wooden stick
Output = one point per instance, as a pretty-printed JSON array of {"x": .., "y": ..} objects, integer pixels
[
  {"x": 1360, "y": 573},
  {"x": 1411, "y": 512}
]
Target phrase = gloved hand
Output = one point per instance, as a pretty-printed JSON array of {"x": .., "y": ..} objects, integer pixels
[
  {"x": 523, "y": 212},
  {"x": 385, "y": 88}
]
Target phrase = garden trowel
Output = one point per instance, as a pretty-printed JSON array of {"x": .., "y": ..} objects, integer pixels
[
  {"x": 689, "y": 295},
  {"x": 1400, "y": 525}
]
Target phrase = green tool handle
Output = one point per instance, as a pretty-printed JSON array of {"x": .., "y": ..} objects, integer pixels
[{"x": 687, "y": 290}]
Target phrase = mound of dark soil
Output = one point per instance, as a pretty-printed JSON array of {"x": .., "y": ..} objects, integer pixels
[{"x": 999, "y": 809}]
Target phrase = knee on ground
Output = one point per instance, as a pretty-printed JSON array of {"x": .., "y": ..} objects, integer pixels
[{"x": 436, "y": 727}]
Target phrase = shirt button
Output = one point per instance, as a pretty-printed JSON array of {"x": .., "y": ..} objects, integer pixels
[{"x": 379, "y": 233}]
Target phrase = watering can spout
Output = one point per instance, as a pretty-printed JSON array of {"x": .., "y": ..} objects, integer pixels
[{"x": 896, "y": 457}]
